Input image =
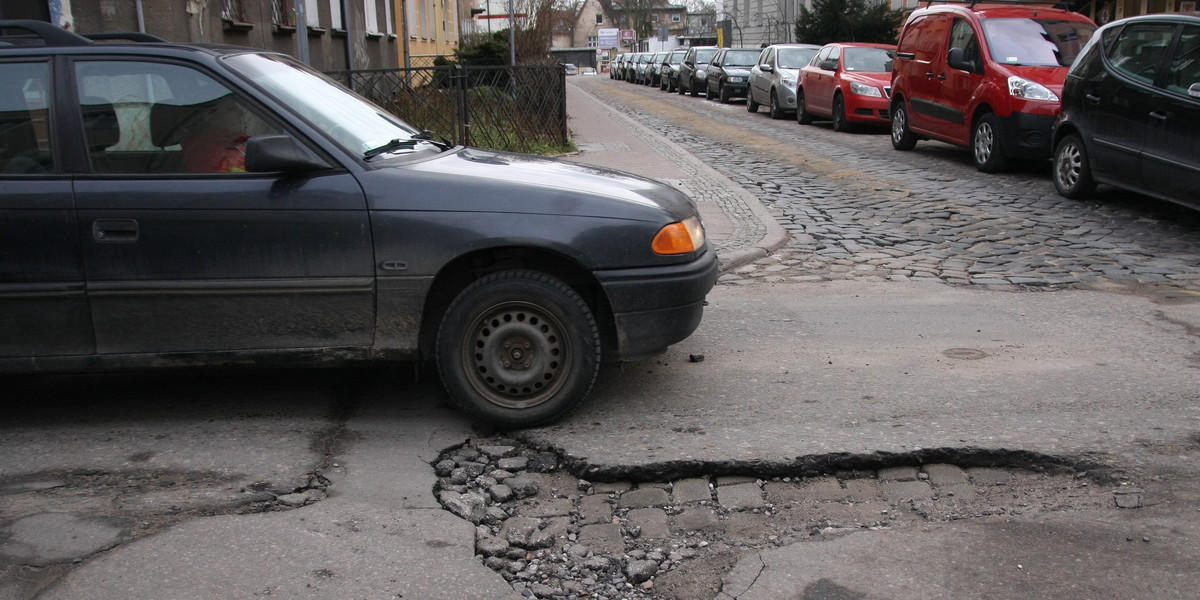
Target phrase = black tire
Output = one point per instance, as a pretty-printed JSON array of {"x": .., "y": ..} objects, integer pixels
[
  {"x": 708, "y": 93},
  {"x": 751, "y": 105},
  {"x": 986, "y": 149},
  {"x": 723, "y": 94},
  {"x": 515, "y": 316},
  {"x": 1072, "y": 171},
  {"x": 902, "y": 137},
  {"x": 774, "y": 109},
  {"x": 839, "y": 114},
  {"x": 803, "y": 117},
  {"x": 692, "y": 88}
]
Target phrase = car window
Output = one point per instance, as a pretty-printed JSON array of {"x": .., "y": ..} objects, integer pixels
[
  {"x": 1184, "y": 70},
  {"x": 705, "y": 55},
  {"x": 794, "y": 58},
  {"x": 1140, "y": 48},
  {"x": 740, "y": 58},
  {"x": 869, "y": 60},
  {"x": 1036, "y": 42},
  {"x": 962, "y": 35},
  {"x": 25, "y": 143},
  {"x": 152, "y": 117},
  {"x": 767, "y": 57}
]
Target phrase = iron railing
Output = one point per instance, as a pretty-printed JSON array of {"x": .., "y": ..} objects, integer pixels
[{"x": 522, "y": 108}]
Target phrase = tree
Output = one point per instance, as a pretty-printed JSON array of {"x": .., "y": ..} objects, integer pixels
[{"x": 848, "y": 21}]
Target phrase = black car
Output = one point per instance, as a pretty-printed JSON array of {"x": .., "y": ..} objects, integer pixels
[
  {"x": 1131, "y": 111},
  {"x": 166, "y": 205},
  {"x": 728, "y": 75}
]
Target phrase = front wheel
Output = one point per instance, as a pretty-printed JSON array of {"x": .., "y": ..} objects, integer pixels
[
  {"x": 776, "y": 110},
  {"x": 902, "y": 137},
  {"x": 724, "y": 95},
  {"x": 1072, "y": 171},
  {"x": 985, "y": 145},
  {"x": 751, "y": 105},
  {"x": 518, "y": 349}
]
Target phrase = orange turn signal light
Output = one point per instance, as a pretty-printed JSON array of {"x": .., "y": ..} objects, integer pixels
[{"x": 680, "y": 237}]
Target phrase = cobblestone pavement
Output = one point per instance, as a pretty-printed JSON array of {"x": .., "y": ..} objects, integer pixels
[{"x": 856, "y": 208}]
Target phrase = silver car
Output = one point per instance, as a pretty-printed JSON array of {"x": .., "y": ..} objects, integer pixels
[{"x": 773, "y": 78}]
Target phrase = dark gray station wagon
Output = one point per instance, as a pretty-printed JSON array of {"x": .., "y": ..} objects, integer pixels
[{"x": 166, "y": 204}]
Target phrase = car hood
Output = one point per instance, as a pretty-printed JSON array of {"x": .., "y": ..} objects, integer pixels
[
  {"x": 875, "y": 79},
  {"x": 1051, "y": 77},
  {"x": 737, "y": 71},
  {"x": 475, "y": 180}
]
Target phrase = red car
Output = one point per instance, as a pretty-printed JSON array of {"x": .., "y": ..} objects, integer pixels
[{"x": 847, "y": 82}]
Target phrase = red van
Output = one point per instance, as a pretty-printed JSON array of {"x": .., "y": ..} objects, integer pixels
[{"x": 984, "y": 76}]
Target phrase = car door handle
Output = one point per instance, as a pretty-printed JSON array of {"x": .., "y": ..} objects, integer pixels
[
  {"x": 1092, "y": 98},
  {"x": 115, "y": 231},
  {"x": 941, "y": 77},
  {"x": 1159, "y": 115},
  {"x": 929, "y": 75}
]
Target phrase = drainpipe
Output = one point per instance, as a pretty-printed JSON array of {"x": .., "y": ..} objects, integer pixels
[{"x": 141, "y": 17}]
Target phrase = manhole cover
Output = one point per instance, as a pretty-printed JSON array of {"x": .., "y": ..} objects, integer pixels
[{"x": 965, "y": 353}]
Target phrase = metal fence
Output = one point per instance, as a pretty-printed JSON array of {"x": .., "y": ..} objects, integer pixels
[{"x": 521, "y": 108}]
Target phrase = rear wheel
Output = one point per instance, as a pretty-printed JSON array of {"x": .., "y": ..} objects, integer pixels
[
  {"x": 776, "y": 110},
  {"x": 518, "y": 349},
  {"x": 803, "y": 117},
  {"x": 902, "y": 138},
  {"x": 1072, "y": 171},
  {"x": 985, "y": 145}
]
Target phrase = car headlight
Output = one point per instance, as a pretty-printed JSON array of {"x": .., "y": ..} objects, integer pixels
[
  {"x": 1023, "y": 88},
  {"x": 788, "y": 83},
  {"x": 680, "y": 237},
  {"x": 863, "y": 89},
  {"x": 736, "y": 79}
]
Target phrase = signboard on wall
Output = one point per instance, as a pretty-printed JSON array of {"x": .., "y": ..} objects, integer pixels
[
  {"x": 628, "y": 35},
  {"x": 608, "y": 38}
]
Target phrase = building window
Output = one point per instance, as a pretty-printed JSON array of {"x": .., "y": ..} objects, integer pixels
[
  {"x": 654, "y": 18},
  {"x": 335, "y": 15},
  {"x": 232, "y": 10},
  {"x": 282, "y": 13},
  {"x": 675, "y": 18},
  {"x": 312, "y": 13},
  {"x": 591, "y": 41},
  {"x": 371, "y": 14},
  {"x": 599, "y": 19}
]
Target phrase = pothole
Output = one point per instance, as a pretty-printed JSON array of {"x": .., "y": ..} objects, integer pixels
[{"x": 662, "y": 532}]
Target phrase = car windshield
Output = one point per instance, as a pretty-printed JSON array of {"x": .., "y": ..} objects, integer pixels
[
  {"x": 705, "y": 56},
  {"x": 741, "y": 58},
  {"x": 1035, "y": 42},
  {"x": 869, "y": 60},
  {"x": 677, "y": 57},
  {"x": 356, "y": 124},
  {"x": 795, "y": 58}
]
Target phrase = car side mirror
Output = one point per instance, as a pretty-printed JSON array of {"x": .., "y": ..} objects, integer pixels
[
  {"x": 766, "y": 68},
  {"x": 829, "y": 64},
  {"x": 274, "y": 153},
  {"x": 1194, "y": 90},
  {"x": 957, "y": 59},
  {"x": 689, "y": 63}
]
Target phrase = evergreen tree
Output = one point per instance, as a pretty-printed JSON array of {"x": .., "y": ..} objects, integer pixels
[{"x": 848, "y": 21}]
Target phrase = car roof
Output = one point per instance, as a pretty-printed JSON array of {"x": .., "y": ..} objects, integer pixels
[
  {"x": 984, "y": 10},
  {"x": 24, "y": 37}
]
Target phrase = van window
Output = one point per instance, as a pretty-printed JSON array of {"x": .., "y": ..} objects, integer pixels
[
  {"x": 928, "y": 37},
  {"x": 1036, "y": 42},
  {"x": 962, "y": 35}
]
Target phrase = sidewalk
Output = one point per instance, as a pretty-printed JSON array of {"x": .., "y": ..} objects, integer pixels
[{"x": 736, "y": 223}]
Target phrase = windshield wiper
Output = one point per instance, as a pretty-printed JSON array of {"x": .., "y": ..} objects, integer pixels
[{"x": 392, "y": 146}]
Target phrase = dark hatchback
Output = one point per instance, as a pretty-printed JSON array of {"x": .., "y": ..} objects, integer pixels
[
  {"x": 169, "y": 205},
  {"x": 1131, "y": 111}
]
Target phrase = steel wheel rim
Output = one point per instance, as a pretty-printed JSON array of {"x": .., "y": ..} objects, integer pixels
[
  {"x": 1070, "y": 164},
  {"x": 984, "y": 139},
  {"x": 517, "y": 355}
]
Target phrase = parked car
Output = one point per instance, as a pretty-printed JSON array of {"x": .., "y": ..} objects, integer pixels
[
  {"x": 652, "y": 69},
  {"x": 692, "y": 70},
  {"x": 640, "y": 67},
  {"x": 669, "y": 74},
  {"x": 986, "y": 77},
  {"x": 773, "y": 78},
  {"x": 1131, "y": 111},
  {"x": 171, "y": 204},
  {"x": 849, "y": 83},
  {"x": 587, "y": 71},
  {"x": 728, "y": 75},
  {"x": 570, "y": 69},
  {"x": 615, "y": 67}
]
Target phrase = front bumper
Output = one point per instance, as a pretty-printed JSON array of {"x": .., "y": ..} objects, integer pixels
[
  {"x": 657, "y": 306},
  {"x": 1027, "y": 135},
  {"x": 737, "y": 89}
]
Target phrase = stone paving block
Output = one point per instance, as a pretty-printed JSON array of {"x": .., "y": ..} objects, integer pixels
[
  {"x": 546, "y": 507},
  {"x": 609, "y": 487},
  {"x": 898, "y": 474},
  {"x": 740, "y": 496},
  {"x": 595, "y": 509},
  {"x": 685, "y": 491},
  {"x": 907, "y": 490},
  {"x": 734, "y": 479},
  {"x": 958, "y": 491},
  {"x": 989, "y": 476},
  {"x": 863, "y": 488},
  {"x": 644, "y": 498},
  {"x": 602, "y": 539},
  {"x": 943, "y": 474},
  {"x": 852, "y": 515},
  {"x": 652, "y": 521},
  {"x": 695, "y": 518}
]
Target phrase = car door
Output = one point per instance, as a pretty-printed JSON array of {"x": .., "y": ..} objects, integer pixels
[
  {"x": 823, "y": 81},
  {"x": 43, "y": 308},
  {"x": 1171, "y": 160},
  {"x": 956, "y": 89},
  {"x": 186, "y": 252},
  {"x": 761, "y": 77},
  {"x": 1118, "y": 106}
]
